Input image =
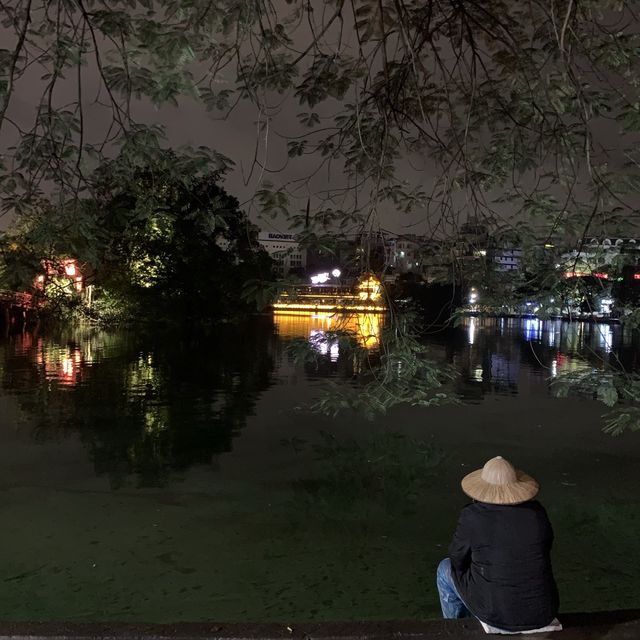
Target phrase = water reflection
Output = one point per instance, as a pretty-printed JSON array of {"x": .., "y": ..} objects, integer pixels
[
  {"x": 148, "y": 406},
  {"x": 471, "y": 330},
  {"x": 553, "y": 333},
  {"x": 605, "y": 337},
  {"x": 61, "y": 364},
  {"x": 319, "y": 327},
  {"x": 499, "y": 354},
  {"x": 145, "y": 407},
  {"x": 532, "y": 329},
  {"x": 325, "y": 344},
  {"x": 492, "y": 355}
]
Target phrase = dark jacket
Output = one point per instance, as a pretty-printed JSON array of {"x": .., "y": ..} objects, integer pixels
[{"x": 501, "y": 565}]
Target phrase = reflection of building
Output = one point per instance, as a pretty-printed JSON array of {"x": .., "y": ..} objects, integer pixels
[
  {"x": 533, "y": 329},
  {"x": 284, "y": 249},
  {"x": 489, "y": 362},
  {"x": 505, "y": 370},
  {"x": 323, "y": 327},
  {"x": 62, "y": 364}
]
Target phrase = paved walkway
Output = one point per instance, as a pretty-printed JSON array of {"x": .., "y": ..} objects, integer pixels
[{"x": 611, "y": 625}]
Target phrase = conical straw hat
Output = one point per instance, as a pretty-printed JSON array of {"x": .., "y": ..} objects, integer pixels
[{"x": 499, "y": 483}]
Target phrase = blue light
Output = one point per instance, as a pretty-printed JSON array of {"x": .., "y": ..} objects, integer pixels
[{"x": 532, "y": 329}]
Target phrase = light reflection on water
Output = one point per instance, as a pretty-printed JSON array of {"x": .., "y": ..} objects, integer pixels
[
  {"x": 365, "y": 326},
  {"x": 505, "y": 355},
  {"x": 532, "y": 329},
  {"x": 491, "y": 355},
  {"x": 497, "y": 356},
  {"x": 145, "y": 406}
]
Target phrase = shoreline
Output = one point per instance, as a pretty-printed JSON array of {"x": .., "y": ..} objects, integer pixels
[{"x": 531, "y": 316}]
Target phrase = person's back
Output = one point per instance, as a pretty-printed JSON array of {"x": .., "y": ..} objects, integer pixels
[
  {"x": 500, "y": 561},
  {"x": 499, "y": 565}
]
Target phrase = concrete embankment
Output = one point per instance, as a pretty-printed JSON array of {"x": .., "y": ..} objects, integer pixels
[{"x": 609, "y": 625}]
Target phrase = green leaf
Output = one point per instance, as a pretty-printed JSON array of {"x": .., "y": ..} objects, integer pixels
[
  {"x": 607, "y": 393},
  {"x": 296, "y": 147}
]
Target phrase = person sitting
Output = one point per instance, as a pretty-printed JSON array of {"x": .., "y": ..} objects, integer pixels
[{"x": 499, "y": 564}]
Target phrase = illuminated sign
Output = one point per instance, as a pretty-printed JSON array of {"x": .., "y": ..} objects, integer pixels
[{"x": 636, "y": 276}]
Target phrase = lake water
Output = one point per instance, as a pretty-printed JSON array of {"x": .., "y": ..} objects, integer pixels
[{"x": 181, "y": 476}]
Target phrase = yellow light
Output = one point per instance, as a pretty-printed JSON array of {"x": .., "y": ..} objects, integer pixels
[
  {"x": 328, "y": 307},
  {"x": 369, "y": 289},
  {"x": 301, "y": 324},
  {"x": 369, "y": 329},
  {"x": 334, "y": 296},
  {"x": 366, "y": 297}
]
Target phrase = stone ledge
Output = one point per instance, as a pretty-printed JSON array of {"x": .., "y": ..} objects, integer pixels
[{"x": 605, "y": 625}]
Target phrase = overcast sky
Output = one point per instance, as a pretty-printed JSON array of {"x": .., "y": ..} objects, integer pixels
[{"x": 237, "y": 137}]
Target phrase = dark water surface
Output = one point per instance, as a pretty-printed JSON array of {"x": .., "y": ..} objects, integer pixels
[{"x": 180, "y": 477}]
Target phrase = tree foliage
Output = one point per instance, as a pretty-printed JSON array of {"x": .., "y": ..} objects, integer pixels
[
  {"x": 176, "y": 240},
  {"x": 522, "y": 114},
  {"x": 151, "y": 240},
  {"x": 510, "y": 107}
]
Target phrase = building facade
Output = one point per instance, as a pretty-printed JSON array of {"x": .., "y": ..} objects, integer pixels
[
  {"x": 285, "y": 250},
  {"x": 506, "y": 258},
  {"x": 600, "y": 253},
  {"x": 403, "y": 253}
]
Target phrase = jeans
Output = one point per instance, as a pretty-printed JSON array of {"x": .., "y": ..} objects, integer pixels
[{"x": 450, "y": 601}]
